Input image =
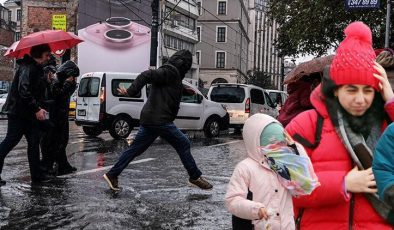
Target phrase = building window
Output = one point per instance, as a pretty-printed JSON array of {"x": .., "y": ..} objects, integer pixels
[
  {"x": 220, "y": 59},
  {"x": 221, "y": 34},
  {"x": 177, "y": 44},
  {"x": 17, "y": 36},
  {"x": 179, "y": 19},
  {"x": 199, "y": 33},
  {"x": 19, "y": 15},
  {"x": 198, "y": 56},
  {"x": 199, "y": 8},
  {"x": 222, "y": 8},
  {"x": 9, "y": 16}
]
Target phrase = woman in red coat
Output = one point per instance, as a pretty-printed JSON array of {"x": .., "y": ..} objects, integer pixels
[{"x": 355, "y": 100}]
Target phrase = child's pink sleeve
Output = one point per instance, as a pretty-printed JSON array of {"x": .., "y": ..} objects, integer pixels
[{"x": 237, "y": 190}]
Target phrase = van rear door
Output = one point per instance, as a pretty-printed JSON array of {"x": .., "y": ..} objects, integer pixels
[
  {"x": 88, "y": 100},
  {"x": 233, "y": 97}
]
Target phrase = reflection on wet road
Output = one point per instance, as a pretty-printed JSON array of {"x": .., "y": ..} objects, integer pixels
[{"x": 155, "y": 191}]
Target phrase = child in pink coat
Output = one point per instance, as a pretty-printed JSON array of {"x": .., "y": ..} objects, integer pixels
[{"x": 260, "y": 191}]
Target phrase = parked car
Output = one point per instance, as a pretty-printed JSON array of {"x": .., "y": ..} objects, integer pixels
[
  {"x": 242, "y": 101},
  {"x": 100, "y": 107},
  {"x": 3, "y": 98},
  {"x": 278, "y": 97}
]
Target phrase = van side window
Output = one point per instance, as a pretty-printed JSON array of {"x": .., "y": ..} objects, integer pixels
[
  {"x": 189, "y": 95},
  {"x": 116, "y": 83},
  {"x": 257, "y": 96},
  {"x": 89, "y": 87},
  {"x": 269, "y": 101}
]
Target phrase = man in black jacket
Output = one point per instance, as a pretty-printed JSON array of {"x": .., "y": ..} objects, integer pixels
[
  {"x": 157, "y": 118},
  {"x": 23, "y": 109},
  {"x": 55, "y": 139}
]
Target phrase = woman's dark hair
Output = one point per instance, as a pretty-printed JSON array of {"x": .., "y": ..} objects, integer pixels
[
  {"x": 359, "y": 124},
  {"x": 38, "y": 50}
]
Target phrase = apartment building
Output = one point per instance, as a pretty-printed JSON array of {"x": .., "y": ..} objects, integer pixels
[
  {"x": 223, "y": 33},
  {"x": 264, "y": 33},
  {"x": 237, "y": 39},
  {"x": 7, "y": 33},
  {"x": 16, "y": 16},
  {"x": 179, "y": 31}
]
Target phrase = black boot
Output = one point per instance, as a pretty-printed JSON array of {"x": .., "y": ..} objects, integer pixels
[{"x": 63, "y": 170}]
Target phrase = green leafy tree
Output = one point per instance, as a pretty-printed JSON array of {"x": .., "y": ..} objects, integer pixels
[{"x": 314, "y": 26}]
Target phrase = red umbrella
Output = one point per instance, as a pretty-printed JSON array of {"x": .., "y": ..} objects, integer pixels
[{"x": 56, "y": 39}]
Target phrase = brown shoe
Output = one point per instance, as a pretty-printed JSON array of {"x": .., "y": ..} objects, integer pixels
[
  {"x": 112, "y": 182},
  {"x": 201, "y": 183}
]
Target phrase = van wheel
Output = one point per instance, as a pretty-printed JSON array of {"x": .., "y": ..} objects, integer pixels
[
  {"x": 212, "y": 127},
  {"x": 121, "y": 128},
  {"x": 92, "y": 131}
]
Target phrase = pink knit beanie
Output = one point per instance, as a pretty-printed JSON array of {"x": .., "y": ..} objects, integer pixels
[{"x": 354, "y": 60}]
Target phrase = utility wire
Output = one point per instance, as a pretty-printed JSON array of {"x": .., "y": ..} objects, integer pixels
[{"x": 125, "y": 5}]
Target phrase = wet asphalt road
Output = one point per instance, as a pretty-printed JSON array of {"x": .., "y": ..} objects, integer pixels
[{"x": 155, "y": 191}]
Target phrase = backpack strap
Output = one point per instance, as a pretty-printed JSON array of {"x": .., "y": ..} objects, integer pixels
[{"x": 318, "y": 131}]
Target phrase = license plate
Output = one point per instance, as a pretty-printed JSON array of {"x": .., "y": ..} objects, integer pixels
[{"x": 81, "y": 112}]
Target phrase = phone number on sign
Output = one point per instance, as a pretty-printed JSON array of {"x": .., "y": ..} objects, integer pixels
[{"x": 362, "y": 2}]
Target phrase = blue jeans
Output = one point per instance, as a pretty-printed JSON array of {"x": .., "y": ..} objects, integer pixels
[
  {"x": 17, "y": 128},
  {"x": 146, "y": 136}
]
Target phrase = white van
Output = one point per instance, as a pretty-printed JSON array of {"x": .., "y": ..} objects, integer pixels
[
  {"x": 100, "y": 107},
  {"x": 242, "y": 101},
  {"x": 278, "y": 97}
]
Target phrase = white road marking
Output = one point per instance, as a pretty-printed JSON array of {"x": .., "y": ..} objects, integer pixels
[
  {"x": 227, "y": 143},
  {"x": 133, "y": 162},
  {"x": 104, "y": 168}
]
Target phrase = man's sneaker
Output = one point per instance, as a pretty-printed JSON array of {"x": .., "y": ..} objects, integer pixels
[
  {"x": 112, "y": 182},
  {"x": 2, "y": 182},
  {"x": 201, "y": 183}
]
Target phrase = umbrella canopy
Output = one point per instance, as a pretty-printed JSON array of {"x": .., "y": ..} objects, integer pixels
[
  {"x": 306, "y": 68},
  {"x": 56, "y": 39}
]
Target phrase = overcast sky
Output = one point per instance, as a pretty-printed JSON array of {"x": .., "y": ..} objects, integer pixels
[{"x": 2, "y": 1}]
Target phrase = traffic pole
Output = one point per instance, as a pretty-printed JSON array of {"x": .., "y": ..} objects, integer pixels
[
  {"x": 388, "y": 16},
  {"x": 154, "y": 34}
]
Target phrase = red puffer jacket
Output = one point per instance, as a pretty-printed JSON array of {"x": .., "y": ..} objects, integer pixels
[{"x": 328, "y": 207}]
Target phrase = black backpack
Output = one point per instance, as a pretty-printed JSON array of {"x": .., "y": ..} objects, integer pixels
[{"x": 319, "y": 128}]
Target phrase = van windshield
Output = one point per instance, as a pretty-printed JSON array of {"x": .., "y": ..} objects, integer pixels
[
  {"x": 89, "y": 87},
  {"x": 228, "y": 94}
]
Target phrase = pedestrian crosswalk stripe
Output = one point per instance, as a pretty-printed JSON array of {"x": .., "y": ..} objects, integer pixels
[{"x": 104, "y": 168}]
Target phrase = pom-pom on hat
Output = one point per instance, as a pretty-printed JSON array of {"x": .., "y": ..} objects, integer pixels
[{"x": 354, "y": 59}]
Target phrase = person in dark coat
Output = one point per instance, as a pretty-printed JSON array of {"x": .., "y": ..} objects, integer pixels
[
  {"x": 157, "y": 118},
  {"x": 49, "y": 131},
  {"x": 23, "y": 108},
  {"x": 54, "y": 143}
]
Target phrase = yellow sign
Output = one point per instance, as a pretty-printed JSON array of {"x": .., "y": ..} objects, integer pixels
[{"x": 59, "y": 22}]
